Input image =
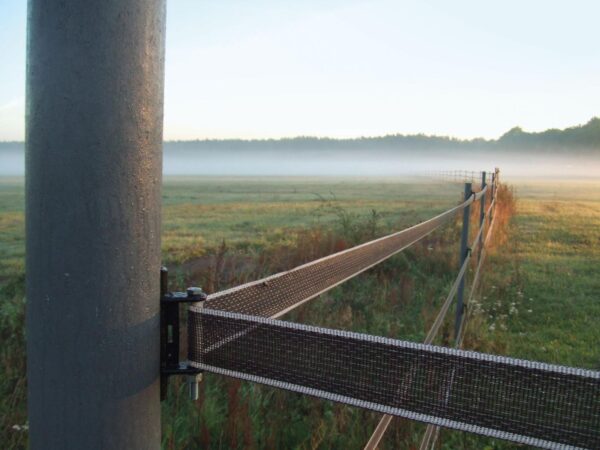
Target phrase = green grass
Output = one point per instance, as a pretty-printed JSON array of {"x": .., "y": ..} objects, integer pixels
[
  {"x": 556, "y": 261},
  {"x": 12, "y": 228},
  {"x": 257, "y": 212},
  {"x": 545, "y": 260}
]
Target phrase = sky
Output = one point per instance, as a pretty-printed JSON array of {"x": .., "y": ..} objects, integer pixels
[{"x": 269, "y": 69}]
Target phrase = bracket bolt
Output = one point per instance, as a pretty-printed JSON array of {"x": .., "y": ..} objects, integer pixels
[{"x": 193, "y": 381}]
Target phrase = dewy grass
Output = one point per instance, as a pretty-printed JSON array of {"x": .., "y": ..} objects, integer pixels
[{"x": 538, "y": 298}]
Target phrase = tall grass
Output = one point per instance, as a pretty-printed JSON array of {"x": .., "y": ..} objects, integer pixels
[{"x": 13, "y": 384}]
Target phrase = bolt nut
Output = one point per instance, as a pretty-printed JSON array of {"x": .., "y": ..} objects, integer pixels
[{"x": 196, "y": 294}]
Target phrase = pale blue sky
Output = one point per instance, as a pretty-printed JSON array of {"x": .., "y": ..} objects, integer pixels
[{"x": 265, "y": 68}]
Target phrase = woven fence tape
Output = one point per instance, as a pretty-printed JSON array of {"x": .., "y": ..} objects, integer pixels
[
  {"x": 527, "y": 402},
  {"x": 277, "y": 294}
]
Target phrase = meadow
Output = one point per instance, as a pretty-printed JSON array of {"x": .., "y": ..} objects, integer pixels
[{"x": 538, "y": 296}]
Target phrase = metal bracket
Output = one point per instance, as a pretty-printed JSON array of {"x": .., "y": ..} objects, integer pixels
[{"x": 169, "y": 336}]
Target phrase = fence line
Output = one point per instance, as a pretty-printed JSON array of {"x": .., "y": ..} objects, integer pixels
[
  {"x": 233, "y": 333},
  {"x": 458, "y": 176}
]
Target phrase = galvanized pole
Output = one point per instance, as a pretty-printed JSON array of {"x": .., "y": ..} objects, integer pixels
[
  {"x": 93, "y": 179},
  {"x": 464, "y": 248}
]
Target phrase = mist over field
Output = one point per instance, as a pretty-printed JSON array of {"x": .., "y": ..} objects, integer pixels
[
  {"x": 375, "y": 163},
  {"x": 12, "y": 159},
  {"x": 573, "y": 152}
]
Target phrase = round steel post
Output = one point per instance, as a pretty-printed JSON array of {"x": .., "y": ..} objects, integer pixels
[{"x": 95, "y": 75}]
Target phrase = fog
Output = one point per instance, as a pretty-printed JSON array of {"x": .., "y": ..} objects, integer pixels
[
  {"x": 12, "y": 160},
  {"x": 338, "y": 162},
  {"x": 382, "y": 164}
]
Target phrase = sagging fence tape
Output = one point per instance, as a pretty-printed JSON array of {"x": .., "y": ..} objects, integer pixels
[
  {"x": 528, "y": 402},
  {"x": 276, "y": 295}
]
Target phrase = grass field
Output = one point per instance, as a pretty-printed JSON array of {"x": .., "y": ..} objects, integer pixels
[
  {"x": 552, "y": 260},
  {"x": 539, "y": 296},
  {"x": 251, "y": 213}
]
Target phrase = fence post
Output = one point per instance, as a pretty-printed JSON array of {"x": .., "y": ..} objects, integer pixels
[
  {"x": 482, "y": 212},
  {"x": 95, "y": 73},
  {"x": 464, "y": 243},
  {"x": 493, "y": 196}
]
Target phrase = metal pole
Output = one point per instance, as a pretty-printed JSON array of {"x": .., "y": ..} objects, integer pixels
[
  {"x": 464, "y": 243},
  {"x": 482, "y": 213},
  {"x": 93, "y": 179}
]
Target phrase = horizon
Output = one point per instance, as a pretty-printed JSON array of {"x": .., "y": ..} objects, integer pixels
[
  {"x": 349, "y": 69},
  {"x": 298, "y": 137},
  {"x": 573, "y": 155}
]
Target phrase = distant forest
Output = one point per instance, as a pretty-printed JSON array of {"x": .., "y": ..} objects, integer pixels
[{"x": 583, "y": 138}]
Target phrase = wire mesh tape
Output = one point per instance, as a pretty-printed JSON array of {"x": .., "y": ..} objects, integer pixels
[
  {"x": 532, "y": 403},
  {"x": 277, "y": 294}
]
